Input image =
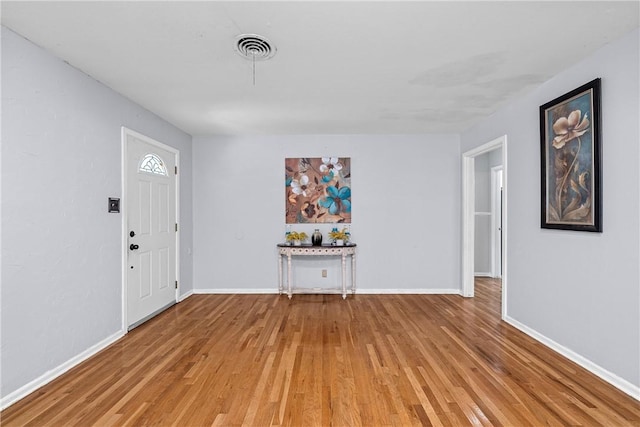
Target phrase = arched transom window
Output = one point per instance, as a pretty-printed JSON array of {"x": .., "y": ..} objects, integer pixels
[{"x": 151, "y": 163}]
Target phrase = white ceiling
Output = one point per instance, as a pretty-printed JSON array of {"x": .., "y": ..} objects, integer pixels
[{"x": 340, "y": 68}]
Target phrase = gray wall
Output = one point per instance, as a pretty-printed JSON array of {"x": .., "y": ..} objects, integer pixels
[
  {"x": 61, "y": 250},
  {"x": 578, "y": 289},
  {"x": 406, "y": 209}
]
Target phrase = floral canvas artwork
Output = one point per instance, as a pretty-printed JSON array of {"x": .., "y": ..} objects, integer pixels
[
  {"x": 318, "y": 190},
  {"x": 570, "y": 145}
]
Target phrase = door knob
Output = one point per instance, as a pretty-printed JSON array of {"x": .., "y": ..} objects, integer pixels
[{"x": 133, "y": 247}]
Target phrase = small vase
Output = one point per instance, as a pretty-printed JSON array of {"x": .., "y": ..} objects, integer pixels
[
  {"x": 297, "y": 243},
  {"x": 316, "y": 238},
  {"x": 339, "y": 242}
]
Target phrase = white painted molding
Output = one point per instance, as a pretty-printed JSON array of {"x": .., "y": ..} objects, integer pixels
[
  {"x": 468, "y": 224},
  {"x": 483, "y": 213},
  {"x": 620, "y": 383},
  {"x": 483, "y": 274},
  {"x": 358, "y": 291},
  {"x": 408, "y": 291},
  {"x": 236, "y": 291},
  {"x": 496, "y": 216},
  {"x": 185, "y": 296},
  {"x": 51, "y": 375},
  {"x": 503, "y": 261}
]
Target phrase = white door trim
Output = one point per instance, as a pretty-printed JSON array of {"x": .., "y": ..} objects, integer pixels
[
  {"x": 123, "y": 207},
  {"x": 468, "y": 216},
  {"x": 495, "y": 221}
]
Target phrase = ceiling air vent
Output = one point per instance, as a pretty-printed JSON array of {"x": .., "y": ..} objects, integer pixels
[{"x": 254, "y": 47}]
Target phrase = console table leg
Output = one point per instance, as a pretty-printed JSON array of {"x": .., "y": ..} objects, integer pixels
[
  {"x": 289, "y": 276},
  {"x": 353, "y": 273},
  {"x": 344, "y": 275},
  {"x": 280, "y": 286}
]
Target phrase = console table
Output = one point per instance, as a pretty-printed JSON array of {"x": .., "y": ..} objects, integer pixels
[{"x": 289, "y": 252}]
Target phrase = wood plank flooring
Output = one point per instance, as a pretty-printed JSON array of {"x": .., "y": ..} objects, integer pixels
[{"x": 318, "y": 360}]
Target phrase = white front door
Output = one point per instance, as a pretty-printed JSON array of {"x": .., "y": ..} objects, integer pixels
[{"x": 151, "y": 279}]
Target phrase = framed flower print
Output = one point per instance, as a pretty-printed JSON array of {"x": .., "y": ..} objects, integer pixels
[
  {"x": 571, "y": 197},
  {"x": 317, "y": 190}
]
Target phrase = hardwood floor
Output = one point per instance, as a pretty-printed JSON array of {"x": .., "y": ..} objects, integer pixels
[{"x": 318, "y": 360}]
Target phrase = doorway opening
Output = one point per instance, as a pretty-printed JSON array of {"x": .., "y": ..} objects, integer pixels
[{"x": 498, "y": 266}]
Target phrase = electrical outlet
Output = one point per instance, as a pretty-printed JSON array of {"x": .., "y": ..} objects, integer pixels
[{"x": 324, "y": 273}]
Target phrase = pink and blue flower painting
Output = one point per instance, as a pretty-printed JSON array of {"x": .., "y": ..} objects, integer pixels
[{"x": 318, "y": 190}]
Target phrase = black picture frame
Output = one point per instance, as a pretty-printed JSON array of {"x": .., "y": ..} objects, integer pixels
[{"x": 570, "y": 147}]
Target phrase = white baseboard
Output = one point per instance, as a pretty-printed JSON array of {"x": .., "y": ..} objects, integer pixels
[
  {"x": 482, "y": 274},
  {"x": 358, "y": 291},
  {"x": 236, "y": 291},
  {"x": 620, "y": 383},
  {"x": 51, "y": 375},
  {"x": 185, "y": 296},
  {"x": 416, "y": 291}
]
